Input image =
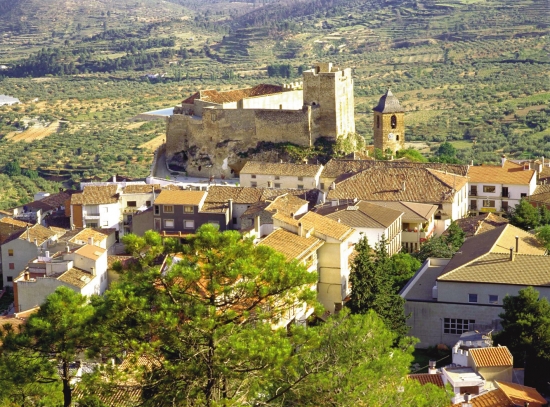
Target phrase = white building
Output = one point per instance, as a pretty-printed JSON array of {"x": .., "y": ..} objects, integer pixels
[
  {"x": 83, "y": 270},
  {"x": 96, "y": 206},
  {"x": 500, "y": 188},
  {"x": 280, "y": 175}
]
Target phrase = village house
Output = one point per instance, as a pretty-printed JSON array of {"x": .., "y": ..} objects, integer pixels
[
  {"x": 96, "y": 206},
  {"x": 499, "y": 188},
  {"x": 136, "y": 198},
  {"x": 447, "y": 297},
  {"x": 23, "y": 246},
  {"x": 259, "y": 216},
  {"x": 183, "y": 212},
  {"x": 83, "y": 270},
  {"x": 43, "y": 206},
  {"x": 407, "y": 184},
  {"x": 369, "y": 220},
  {"x": 9, "y": 226},
  {"x": 333, "y": 256},
  {"x": 280, "y": 175},
  {"x": 475, "y": 225},
  {"x": 303, "y": 249}
]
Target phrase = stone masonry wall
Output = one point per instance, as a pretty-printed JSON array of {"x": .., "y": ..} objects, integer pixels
[{"x": 381, "y": 139}]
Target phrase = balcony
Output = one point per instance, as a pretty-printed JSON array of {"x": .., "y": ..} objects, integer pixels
[
  {"x": 90, "y": 215},
  {"x": 415, "y": 237},
  {"x": 505, "y": 194},
  {"x": 472, "y": 192}
]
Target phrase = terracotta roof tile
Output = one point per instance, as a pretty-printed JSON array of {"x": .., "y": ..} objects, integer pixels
[
  {"x": 179, "y": 197},
  {"x": 294, "y": 247},
  {"x": 282, "y": 169},
  {"x": 399, "y": 184},
  {"x": 541, "y": 193},
  {"x": 494, "y": 398},
  {"x": 240, "y": 195},
  {"x": 320, "y": 225},
  {"x": 510, "y": 173},
  {"x": 519, "y": 395},
  {"x": 474, "y": 225},
  {"x": 215, "y": 96},
  {"x": 362, "y": 214},
  {"x": 335, "y": 168},
  {"x": 496, "y": 268},
  {"x": 493, "y": 356},
  {"x": 76, "y": 277},
  {"x": 96, "y": 195},
  {"x": 90, "y": 251},
  {"x": 88, "y": 233},
  {"x": 141, "y": 189},
  {"x": 38, "y": 232},
  {"x": 59, "y": 199},
  {"x": 425, "y": 378},
  {"x": 14, "y": 222}
]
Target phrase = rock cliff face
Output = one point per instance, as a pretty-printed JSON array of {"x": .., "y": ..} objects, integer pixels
[{"x": 207, "y": 134}]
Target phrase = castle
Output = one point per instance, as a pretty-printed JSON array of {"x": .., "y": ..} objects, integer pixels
[{"x": 210, "y": 127}]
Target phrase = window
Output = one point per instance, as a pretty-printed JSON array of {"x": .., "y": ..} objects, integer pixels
[
  {"x": 487, "y": 203},
  {"x": 322, "y": 185},
  {"x": 168, "y": 209},
  {"x": 91, "y": 224},
  {"x": 300, "y": 178},
  {"x": 473, "y": 204},
  {"x": 393, "y": 121},
  {"x": 189, "y": 224},
  {"x": 253, "y": 176},
  {"x": 10, "y": 279},
  {"x": 456, "y": 325},
  {"x": 472, "y": 297},
  {"x": 523, "y": 195},
  {"x": 505, "y": 193},
  {"x": 132, "y": 204},
  {"x": 493, "y": 299},
  {"x": 188, "y": 209},
  {"x": 157, "y": 224},
  {"x": 489, "y": 188},
  {"x": 157, "y": 210},
  {"x": 505, "y": 206},
  {"x": 105, "y": 223},
  {"x": 300, "y": 187},
  {"x": 234, "y": 221},
  {"x": 277, "y": 185},
  {"x": 269, "y": 184},
  {"x": 277, "y": 177},
  {"x": 148, "y": 204},
  {"x": 253, "y": 184},
  {"x": 10, "y": 252},
  {"x": 169, "y": 223},
  {"x": 11, "y": 266},
  {"x": 473, "y": 190}
]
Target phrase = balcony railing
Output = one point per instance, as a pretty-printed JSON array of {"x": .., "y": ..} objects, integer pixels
[{"x": 91, "y": 215}]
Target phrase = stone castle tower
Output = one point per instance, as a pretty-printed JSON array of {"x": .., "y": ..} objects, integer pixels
[
  {"x": 389, "y": 124},
  {"x": 330, "y": 90}
]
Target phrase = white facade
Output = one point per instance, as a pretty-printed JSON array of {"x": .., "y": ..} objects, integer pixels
[
  {"x": 493, "y": 197},
  {"x": 15, "y": 256},
  {"x": 279, "y": 181},
  {"x": 101, "y": 216}
]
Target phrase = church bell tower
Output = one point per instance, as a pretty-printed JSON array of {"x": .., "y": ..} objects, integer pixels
[{"x": 389, "y": 124}]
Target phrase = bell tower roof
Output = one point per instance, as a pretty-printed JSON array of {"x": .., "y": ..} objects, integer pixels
[{"x": 388, "y": 103}]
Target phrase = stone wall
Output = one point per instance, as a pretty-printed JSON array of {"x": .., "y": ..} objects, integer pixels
[{"x": 387, "y": 137}]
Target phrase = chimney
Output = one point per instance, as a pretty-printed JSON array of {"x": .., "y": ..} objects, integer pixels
[
  {"x": 93, "y": 271},
  {"x": 281, "y": 161},
  {"x": 339, "y": 220},
  {"x": 517, "y": 244},
  {"x": 91, "y": 241},
  {"x": 403, "y": 187},
  {"x": 67, "y": 249},
  {"x": 36, "y": 242},
  {"x": 467, "y": 399},
  {"x": 257, "y": 225},
  {"x": 300, "y": 229},
  {"x": 114, "y": 178},
  {"x": 367, "y": 153},
  {"x": 432, "y": 369},
  {"x": 472, "y": 163},
  {"x": 332, "y": 186},
  {"x": 26, "y": 276},
  {"x": 230, "y": 205},
  {"x": 47, "y": 254},
  {"x": 337, "y": 307},
  {"x": 28, "y": 234},
  {"x": 511, "y": 254},
  {"x": 502, "y": 160}
]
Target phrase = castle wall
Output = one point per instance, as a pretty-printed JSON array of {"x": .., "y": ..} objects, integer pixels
[{"x": 291, "y": 100}]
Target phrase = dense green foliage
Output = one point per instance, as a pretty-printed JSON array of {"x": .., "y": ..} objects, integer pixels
[
  {"x": 372, "y": 282},
  {"x": 442, "y": 246},
  {"x": 526, "y": 332},
  {"x": 203, "y": 333}
]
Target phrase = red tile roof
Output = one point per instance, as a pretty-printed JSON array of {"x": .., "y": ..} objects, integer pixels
[
  {"x": 229, "y": 96},
  {"x": 492, "y": 357},
  {"x": 425, "y": 378}
]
